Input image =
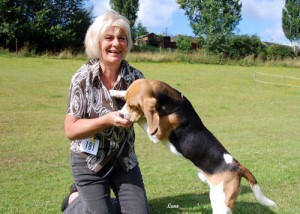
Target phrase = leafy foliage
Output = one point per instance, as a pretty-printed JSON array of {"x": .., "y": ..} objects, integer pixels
[
  {"x": 127, "y": 8},
  {"x": 291, "y": 22},
  {"x": 275, "y": 52},
  {"x": 213, "y": 20},
  {"x": 44, "y": 24},
  {"x": 241, "y": 46},
  {"x": 183, "y": 44},
  {"x": 139, "y": 30}
]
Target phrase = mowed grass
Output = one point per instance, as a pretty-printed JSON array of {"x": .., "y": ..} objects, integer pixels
[{"x": 259, "y": 124}]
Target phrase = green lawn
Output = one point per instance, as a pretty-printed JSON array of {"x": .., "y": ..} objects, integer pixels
[{"x": 259, "y": 124}]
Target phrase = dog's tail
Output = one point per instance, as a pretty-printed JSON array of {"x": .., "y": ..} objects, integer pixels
[{"x": 262, "y": 199}]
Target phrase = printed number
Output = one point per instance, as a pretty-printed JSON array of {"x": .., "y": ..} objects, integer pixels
[{"x": 90, "y": 146}]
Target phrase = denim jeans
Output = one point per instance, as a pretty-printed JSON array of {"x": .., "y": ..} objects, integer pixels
[{"x": 95, "y": 191}]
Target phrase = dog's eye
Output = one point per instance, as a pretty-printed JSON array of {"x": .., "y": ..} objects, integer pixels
[{"x": 132, "y": 107}]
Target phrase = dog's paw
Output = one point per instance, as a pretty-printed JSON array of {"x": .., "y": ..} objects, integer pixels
[{"x": 118, "y": 94}]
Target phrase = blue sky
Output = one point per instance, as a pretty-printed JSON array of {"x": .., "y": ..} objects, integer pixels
[{"x": 259, "y": 17}]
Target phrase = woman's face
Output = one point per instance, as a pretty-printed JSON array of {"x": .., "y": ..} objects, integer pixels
[{"x": 113, "y": 46}]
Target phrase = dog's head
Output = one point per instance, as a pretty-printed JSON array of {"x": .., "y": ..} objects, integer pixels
[
  {"x": 140, "y": 102},
  {"x": 154, "y": 100}
]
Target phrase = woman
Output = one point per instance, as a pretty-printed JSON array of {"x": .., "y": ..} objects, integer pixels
[{"x": 102, "y": 148}]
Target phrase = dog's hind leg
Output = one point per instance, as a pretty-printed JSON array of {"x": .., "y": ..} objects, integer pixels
[
  {"x": 224, "y": 189},
  {"x": 218, "y": 199}
]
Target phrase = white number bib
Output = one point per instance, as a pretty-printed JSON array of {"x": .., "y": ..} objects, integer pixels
[{"x": 89, "y": 145}]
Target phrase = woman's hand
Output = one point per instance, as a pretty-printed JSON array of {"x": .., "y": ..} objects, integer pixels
[
  {"x": 77, "y": 128},
  {"x": 118, "y": 121}
]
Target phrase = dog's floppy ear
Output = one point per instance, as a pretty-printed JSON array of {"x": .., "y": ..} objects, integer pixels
[{"x": 149, "y": 109}]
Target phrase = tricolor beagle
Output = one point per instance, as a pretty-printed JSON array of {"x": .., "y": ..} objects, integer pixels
[{"x": 172, "y": 120}]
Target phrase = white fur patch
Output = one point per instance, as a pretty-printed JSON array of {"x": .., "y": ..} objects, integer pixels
[
  {"x": 262, "y": 199},
  {"x": 153, "y": 138},
  {"x": 202, "y": 177},
  {"x": 116, "y": 93},
  {"x": 124, "y": 113},
  {"x": 172, "y": 148},
  {"x": 143, "y": 124},
  {"x": 228, "y": 158},
  {"x": 217, "y": 199}
]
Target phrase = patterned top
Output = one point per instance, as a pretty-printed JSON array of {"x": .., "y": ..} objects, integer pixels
[{"x": 89, "y": 98}]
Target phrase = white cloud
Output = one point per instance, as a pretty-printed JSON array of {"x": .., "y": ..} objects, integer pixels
[
  {"x": 151, "y": 14},
  {"x": 100, "y": 6},
  {"x": 262, "y": 9},
  {"x": 267, "y": 13},
  {"x": 158, "y": 14},
  {"x": 274, "y": 34}
]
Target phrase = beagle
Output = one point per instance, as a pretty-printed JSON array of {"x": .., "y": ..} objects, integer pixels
[{"x": 168, "y": 117}]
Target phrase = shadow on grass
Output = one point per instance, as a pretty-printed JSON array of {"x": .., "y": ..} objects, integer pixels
[{"x": 200, "y": 203}]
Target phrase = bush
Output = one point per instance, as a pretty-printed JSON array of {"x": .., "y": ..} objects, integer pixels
[
  {"x": 275, "y": 52},
  {"x": 241, "y": 46},
  {"x": 183, "y": 44},
  {"x": 144, "y": 49}
]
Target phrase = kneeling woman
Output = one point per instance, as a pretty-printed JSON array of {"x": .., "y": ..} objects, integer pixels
[{"x": 103, "y": 141}]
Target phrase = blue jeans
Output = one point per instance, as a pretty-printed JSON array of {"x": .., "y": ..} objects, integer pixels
[{"x": 94, "y": 191}]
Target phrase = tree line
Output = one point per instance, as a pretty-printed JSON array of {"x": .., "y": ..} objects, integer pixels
[
  {"x": 43, "y": 25},
  {"x": 53, "y": 25}
]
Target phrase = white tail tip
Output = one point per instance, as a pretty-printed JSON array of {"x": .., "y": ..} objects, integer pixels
[{"x": 262, "y": 199}]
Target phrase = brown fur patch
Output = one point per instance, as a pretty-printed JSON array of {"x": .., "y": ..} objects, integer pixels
[
  {"x": 166, "y": 125},
  {"x": 140, "y": 102}
]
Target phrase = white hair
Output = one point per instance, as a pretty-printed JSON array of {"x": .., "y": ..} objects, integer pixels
[{"x": 100, "y": 26}]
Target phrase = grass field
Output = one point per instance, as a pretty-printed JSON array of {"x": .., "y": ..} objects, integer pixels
[{"x": 259, "y": 124}]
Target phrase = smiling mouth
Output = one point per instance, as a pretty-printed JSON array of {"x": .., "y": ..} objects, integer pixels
[{"x": 114, "y": 52}]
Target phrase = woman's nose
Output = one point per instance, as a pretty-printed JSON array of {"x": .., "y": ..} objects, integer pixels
[{"x": 115, "y": 41}]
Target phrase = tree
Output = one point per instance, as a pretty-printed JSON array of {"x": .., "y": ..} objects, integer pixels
[
  {"x": 43, "y": 24},
  {"x": 127, "y": 8},
  {"x": 139, "y": 30},
  {"x": 291, "y": 23},
  {"x": 213, "y": 20},
  {"x": 14, "y": 24}
]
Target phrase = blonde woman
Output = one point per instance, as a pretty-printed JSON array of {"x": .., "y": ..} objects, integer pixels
[{"x": 102, "y": 147}]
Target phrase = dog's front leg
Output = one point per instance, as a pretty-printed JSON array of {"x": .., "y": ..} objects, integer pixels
[
  {"x": 118, "y": 94},
  {"x": 143, "y": 124}
]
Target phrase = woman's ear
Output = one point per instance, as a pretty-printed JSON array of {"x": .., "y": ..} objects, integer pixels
[{"x": 149, "y": 109}]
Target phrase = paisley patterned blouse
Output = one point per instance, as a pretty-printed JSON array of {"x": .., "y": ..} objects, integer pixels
[{"x": 89, "y": 98}]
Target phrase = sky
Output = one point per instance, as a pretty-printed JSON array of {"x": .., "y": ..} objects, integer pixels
[{"x": 259, "y": 17}]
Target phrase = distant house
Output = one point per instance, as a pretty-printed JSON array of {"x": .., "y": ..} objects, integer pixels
[
  {"x": 166, "y": 42},
  {"x": 148, "y": 39},
  {"x": 152, "y": 39}
]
